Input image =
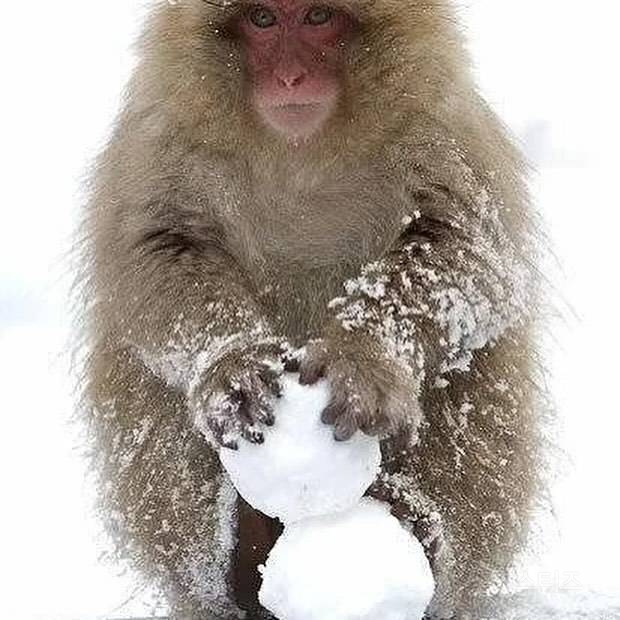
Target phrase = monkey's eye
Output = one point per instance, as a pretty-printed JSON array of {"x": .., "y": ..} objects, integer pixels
[
  {"x": 262, "y": 17},
  {"x": 318, "y": 15}
]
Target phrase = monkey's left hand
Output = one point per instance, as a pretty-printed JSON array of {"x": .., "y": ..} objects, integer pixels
[{"x": 369, "y": 390}]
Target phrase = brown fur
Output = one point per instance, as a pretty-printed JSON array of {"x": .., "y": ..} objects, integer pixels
[{"x": 195, "y": 202}]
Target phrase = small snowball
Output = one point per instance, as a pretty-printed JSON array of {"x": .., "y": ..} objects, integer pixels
[
  {"x": 301, "y": 471},
  {"x": 356, "y": 565}
]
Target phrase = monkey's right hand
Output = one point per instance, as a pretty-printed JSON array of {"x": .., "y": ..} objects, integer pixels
[{"x": 234, "y": 398}]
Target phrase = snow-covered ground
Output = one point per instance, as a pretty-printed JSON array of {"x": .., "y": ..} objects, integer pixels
[{"x": 549, "y": 67}]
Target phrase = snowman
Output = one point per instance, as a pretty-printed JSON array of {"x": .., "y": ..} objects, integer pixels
[{"x": 341, "y": 556}]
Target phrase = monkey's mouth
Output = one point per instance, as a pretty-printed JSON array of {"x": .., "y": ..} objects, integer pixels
[
  {"x": 297, "y": 107},
  {"x": 296, "y": 120}
]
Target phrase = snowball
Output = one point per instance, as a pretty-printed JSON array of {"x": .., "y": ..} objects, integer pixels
[
  {"x": 356, "y": 565},
  {"x": 292, "y": 475}
]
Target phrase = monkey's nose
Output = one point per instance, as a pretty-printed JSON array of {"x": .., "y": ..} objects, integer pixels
[
  {"x": 291, "y": 79},
  {"x": 290, "y": 73}
]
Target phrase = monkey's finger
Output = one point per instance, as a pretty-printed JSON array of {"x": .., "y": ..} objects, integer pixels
[
  {"x": 270, "y": 369},
  {"x": 235, "y": 394},
  {"x": 253, "y": 434},
  {"x": 245, "y": 413},
  {"x": 396, "y": 412},
  {"x": 371, "y": 427},
  {"x": 292, "y": 364},
  {"x": 221, "y": 435},
  {"x": 249, "y": 389},
  {"x": 229, "y": 443},
  {"x": 254, "y": 410},
  {"x": 311, "y": 370},
  {"x": 345, "y": 428},
  {"x": 365, "y": 410},
  {"x": 257, "y": 400},
  {"x": 332, "y": 412},
  {"x": 260, "y": 405},
  {"x": 220, "y": 420},
  {"x": 266, "y": 416},
  {"x": 272, "y": 380},
  {"x": 367, "y": 415}
]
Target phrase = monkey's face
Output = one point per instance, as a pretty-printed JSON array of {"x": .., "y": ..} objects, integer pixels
[
  {"x": 294, "y": 54},
  {"x": 336, "y": 73}
]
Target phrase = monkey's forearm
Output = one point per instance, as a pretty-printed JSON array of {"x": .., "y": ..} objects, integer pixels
[
  {"x": 181, "y": 313},
  {"x": 199, "y": 338},
  {"x": 433, "y": 301}
]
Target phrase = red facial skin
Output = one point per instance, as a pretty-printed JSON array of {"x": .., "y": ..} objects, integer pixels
[{"x": 295, "y": 66}]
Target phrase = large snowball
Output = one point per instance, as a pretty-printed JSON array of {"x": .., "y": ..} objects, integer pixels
[
  {"x": 301, "y": 471},
  {"x": 356, "y": 565}
]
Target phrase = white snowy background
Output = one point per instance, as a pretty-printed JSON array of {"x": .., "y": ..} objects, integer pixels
[{"x": 550, "y": 68}]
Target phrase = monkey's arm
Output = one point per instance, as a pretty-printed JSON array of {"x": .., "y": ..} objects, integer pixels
[
  {"x": 447, "y": 287},
  {"x": 454, "y": 281},
  {"x": 176, "y": 296}
]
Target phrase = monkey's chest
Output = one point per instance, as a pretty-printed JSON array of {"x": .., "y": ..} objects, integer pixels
[
  {"x": 303, "y": 260},
  {"x": 297, "y": 300}
]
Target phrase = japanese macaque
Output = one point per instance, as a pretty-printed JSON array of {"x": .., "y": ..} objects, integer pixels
[{"x": 315, "y": 186}]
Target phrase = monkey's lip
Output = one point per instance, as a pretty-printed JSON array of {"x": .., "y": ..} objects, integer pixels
[
  {"x": 297, "y": 106},
  {"x": 298, "y": 110},
  {"x": 298, "y": 118}
]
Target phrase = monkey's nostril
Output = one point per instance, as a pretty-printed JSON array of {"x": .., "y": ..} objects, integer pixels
[{"x": 291, "y": 81}]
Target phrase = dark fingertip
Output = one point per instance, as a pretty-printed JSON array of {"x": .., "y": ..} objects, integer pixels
[
  {"x": 230, "y": 445},
  {"x": 269, "y": 419},
  {"x": 254, "y": 436},
  {"x": 309, "y": 375},
  {"x": 292, "y": 365},
  {"x": 343, "y": 433},
  {"x": 305, "y": 378},
  {"x": 329, "y": 414}
]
